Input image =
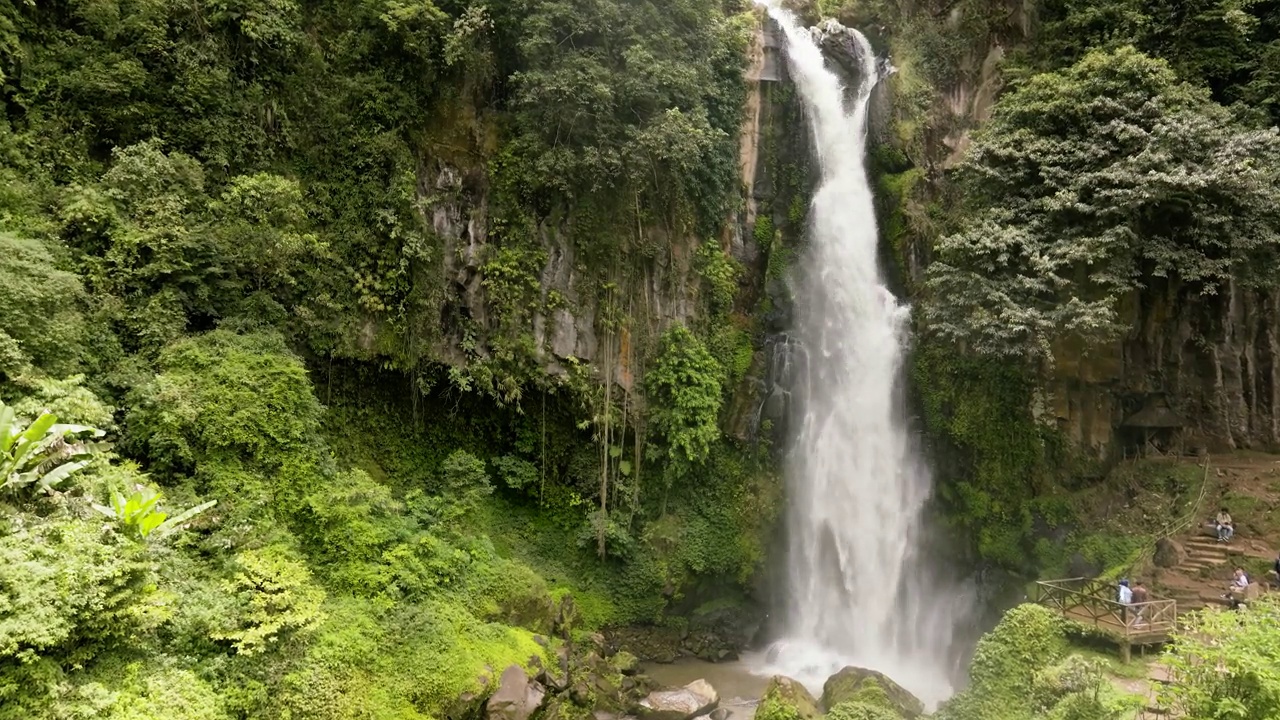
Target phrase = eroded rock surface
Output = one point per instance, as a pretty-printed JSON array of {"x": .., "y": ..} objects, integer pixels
[{"x": 696, "y": 699}]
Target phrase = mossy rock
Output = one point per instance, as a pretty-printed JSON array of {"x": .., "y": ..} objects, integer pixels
[
  {"x": 625, "y": 663},
  {"x": 562, "y": 708},
  {"x": 859, "y": 710},
  {"x": 786, "y": 699},
  {"x": 860, "y": 685}
]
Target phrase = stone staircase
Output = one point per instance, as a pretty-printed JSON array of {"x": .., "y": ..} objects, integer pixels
[
  {"x": 1198, "y": 578},
  {"x": 1204, "y": 554}
]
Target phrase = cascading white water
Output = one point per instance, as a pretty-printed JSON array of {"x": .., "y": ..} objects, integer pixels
[{"x": 859, "y": 590}]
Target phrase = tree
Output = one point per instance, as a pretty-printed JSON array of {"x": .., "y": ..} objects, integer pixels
[
  {"x": 1227, "y": 664},
  {"x": 685, "y": 400},
  {"x": 1087, "y": 184},
  {"x": 40, "y": 303}
]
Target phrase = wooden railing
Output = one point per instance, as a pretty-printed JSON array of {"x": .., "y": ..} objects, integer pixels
[{"x": 1089, "y": 602}]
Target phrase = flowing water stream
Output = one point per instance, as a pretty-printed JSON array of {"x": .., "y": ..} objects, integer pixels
[{"x": 860, "y": 591}]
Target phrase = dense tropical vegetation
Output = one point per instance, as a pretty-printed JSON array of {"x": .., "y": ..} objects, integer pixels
[
  {"x": 219, "y": 275},
  {"x": 282, "y": 430}
]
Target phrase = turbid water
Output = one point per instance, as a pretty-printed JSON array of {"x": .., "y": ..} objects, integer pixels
[
  {"x": 860, "y": 592},
  {"x": 738, "y": 683}
]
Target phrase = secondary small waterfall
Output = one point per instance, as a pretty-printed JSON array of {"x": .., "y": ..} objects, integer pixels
[{"x": 860, "y": 591}]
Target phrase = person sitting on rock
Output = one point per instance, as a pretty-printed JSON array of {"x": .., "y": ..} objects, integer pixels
[
  {"x": 1239, "y": 584},
  {"x": 1225, "y": 527},
  {"x": 1276, "y": 569},
  {"x": 1240, "y": 580}
]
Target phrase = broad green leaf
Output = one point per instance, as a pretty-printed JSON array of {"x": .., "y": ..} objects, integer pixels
[
  {"x": 37, "y": 430},
  {"x": 173, "y": 523},
  {"x": 8, "y": 429},
  {"x": 150, "y": 522},
  {"x": 55, "y": 476}
]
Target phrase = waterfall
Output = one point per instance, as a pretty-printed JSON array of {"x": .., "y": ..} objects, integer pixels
[{"x": 860, "y": 591}]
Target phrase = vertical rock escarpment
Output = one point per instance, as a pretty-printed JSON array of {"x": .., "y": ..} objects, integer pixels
[{"x": 1210, "y": 358}]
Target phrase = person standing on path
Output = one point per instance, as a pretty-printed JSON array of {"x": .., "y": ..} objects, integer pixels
[
  {"x": 1139, "y": 596},
  {"x": 1125, "y": 596}
]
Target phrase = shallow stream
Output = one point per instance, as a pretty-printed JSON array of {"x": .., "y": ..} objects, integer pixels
[{"x": 740, "y": 688}]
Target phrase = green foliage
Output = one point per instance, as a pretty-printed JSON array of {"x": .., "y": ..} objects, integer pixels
[
  {"x": 720, "y": 274},
  {"x": 276, "y": 598},
  {"x": 860, "y": 710},
  {"x": 43, "y": 454},
  {"x": 786, "y": 699},
  {"x": 1087, "y": 184},
  {"x": 1029, "y": 639},
  {"x": 403, "y": 662},
  {"x": 1022, "y": 670},
  {"x": 1225, "y": 664},
  {"x": 224, "y": 405},
  {"x": 165, "y": 694},
  {"x": 1227, "y": 45},
  {"x": 647, "y": 96},
  {"x": 68, "y": 590},
  {"x": 67, "y": 398},
  {"x": 41, "y": 303},
  {"x": 138, "y": 516},
  {"x": 195, "y": 197},
  {"x": 465, "y": 478},
  {"x": 516, "y": 472},
  {"x": 982, "y": 408},
  {"x": 684, "y": 392}
]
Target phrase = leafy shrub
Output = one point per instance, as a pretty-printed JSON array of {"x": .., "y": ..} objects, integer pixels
[
  {"x": 167, "y": 694},
  {"x": 1089, "y": 183},
  {"x": 685, "y": 399},
  {"x": 276, "y": 599},
  {"x": 232, "y": 401},
  {"x": 1225, "y": 663},
  {"x": 41, "y": 324}
]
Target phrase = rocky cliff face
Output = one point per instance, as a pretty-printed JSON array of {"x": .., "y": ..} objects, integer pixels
[
  {"x": 1210, "y": 360},
  {"x": 660, "y": 289},
  {"x": 654, "y": 286}
]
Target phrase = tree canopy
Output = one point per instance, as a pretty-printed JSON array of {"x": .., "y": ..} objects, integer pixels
[{"x": 1086, "y": 184}]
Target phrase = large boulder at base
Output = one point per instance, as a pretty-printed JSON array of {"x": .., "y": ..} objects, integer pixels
[
  {"x": 861, "y": 711},
  {"x": 517, "y": 698},
  {"x": 652, "y": 643},
  {"x": 787, "y": 699},
  {"x": 693, "y": 700},
  {"x": 1168, "y": 553},
  {"x": 855, "y": 684}
]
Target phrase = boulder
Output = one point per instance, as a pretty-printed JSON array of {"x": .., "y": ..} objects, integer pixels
[
  {"x": 625, "y": 663},
  {"x": 855, "y": 684},
  {"x": 649, "y": 643},
  {"x": 561, "y": 708},
  {"x": 517, "y": 698},
  {"x": 556, "y": 675},
  {"x": 861, "y": 711},
  {"x": 1169, "y": 553},
  {"x": 693, "y": 700},
  {"x": 787, "y": 699}
]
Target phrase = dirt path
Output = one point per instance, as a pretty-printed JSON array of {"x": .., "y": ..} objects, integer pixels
[{"x": 1248, "y": 485}]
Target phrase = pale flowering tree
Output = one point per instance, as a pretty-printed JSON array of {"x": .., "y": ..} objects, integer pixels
[{"x": 1087, "y": 184}]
